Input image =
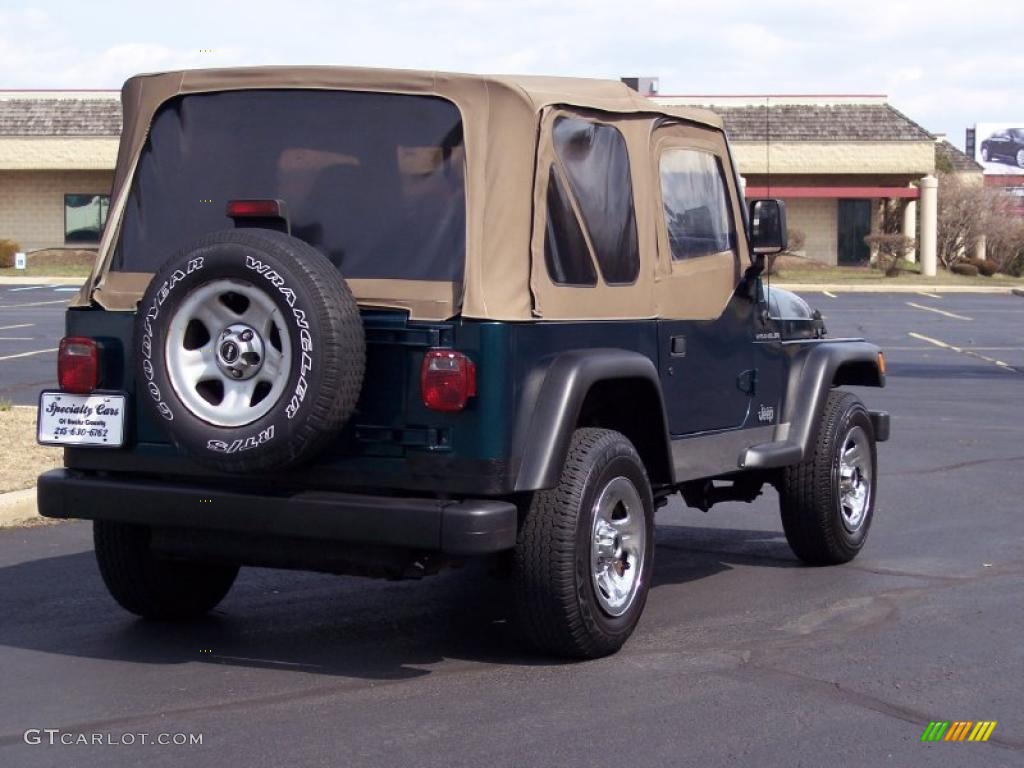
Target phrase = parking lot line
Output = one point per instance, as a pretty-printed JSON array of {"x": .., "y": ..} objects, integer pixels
[
  {"x": 16, "y": 338},
  {"x": 33, "y": 304},
  {"x": 970, "y": 352},
  {"x": 28, "y": 288},
  {"x": 12, "y": 327},
  {"x": 939, "y": 311},
  {"x": 829, "y": 294},
  {"x": 28, "y": 354},
  {"x": 929, "y": 295}
]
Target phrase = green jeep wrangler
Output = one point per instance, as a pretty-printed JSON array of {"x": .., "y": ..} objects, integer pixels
[{"x": 376, "y": 322}]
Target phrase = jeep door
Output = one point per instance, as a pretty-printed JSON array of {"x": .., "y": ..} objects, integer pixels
[{"x": 705, "y": 333}]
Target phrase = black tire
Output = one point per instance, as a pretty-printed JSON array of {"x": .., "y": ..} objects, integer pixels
[
  {"x": 556, "y": 598},
  {"x": 151, "y": 586},
  {"x": 324, "y": 331},
  {"x": 817, "y": 529}
]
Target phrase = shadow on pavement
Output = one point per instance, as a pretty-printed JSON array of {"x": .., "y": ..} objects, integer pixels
[{"x": 325, "y": 624}]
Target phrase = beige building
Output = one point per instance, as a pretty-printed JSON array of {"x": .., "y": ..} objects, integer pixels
[
  {"x": 835, "y": 160},
  {"x": 57, "y": 152}
]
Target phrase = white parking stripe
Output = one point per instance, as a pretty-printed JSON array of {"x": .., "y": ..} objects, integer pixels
[
  {"x": 28, "y": 288},
  {"x": 12, "y": 327},
  {"x": 829, "y": 294},
  {"x": 961, "y": 350},
  {"x": 28, "y": 354},
  {"x": 16, "y": 338},
  {"x": 930, "y": 295},
  {"x": 939, "y": 311},
  {"x": 74, "y": 288}
]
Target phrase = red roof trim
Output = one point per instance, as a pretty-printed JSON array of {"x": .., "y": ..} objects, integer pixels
[
  {"x": 774, "y": 95},
  {"x": 832, "y": 192},
  {"x": 59, "y": 90}
]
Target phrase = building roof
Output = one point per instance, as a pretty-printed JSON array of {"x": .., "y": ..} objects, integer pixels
[
  {"x": 809, "y": 118},
  {"x": 32, "y": 115},
  {"x": 948, "y": 157},
  {"x": 833, "y": 122}
]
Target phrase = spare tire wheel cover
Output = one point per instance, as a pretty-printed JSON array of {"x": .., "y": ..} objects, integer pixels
[{"x": 250, "y": 350}]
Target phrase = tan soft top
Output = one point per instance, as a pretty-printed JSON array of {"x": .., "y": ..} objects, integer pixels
[{"x": 501, "y": 122}]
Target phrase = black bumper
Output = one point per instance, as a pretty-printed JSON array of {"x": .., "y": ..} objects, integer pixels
[{"x": 467, "y": 527}]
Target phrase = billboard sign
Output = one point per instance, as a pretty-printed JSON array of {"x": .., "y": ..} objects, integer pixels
[{"x": 999, "y": 147}]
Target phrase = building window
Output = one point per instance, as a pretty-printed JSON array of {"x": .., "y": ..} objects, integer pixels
[
  {"x": 84, "y": 217},
  {"x": 697, "y": 212}
]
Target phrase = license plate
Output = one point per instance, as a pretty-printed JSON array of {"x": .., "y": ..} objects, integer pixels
[{"x": 81, "y": 419}]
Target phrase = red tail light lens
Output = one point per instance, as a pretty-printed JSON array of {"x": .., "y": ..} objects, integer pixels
[
  {"x": 264, "y": 209},
  {"x": 78, "y": 365},
  {"x": 447, "y": 380}
]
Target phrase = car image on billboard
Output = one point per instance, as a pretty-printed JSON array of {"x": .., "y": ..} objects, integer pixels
[{"x": 1000, "y": 147}]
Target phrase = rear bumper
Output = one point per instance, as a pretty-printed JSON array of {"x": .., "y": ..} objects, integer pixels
[{"x": 466, "y": 527}]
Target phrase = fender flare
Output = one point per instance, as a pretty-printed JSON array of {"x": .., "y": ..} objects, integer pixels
[
  {"x": 551, "y": 407},
  {"x": 814, "y": 371}
]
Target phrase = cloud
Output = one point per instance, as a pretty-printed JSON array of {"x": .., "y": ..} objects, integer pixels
[{"x": 945, "y": 64}]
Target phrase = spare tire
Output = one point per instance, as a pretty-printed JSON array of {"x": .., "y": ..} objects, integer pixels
[{"x": 250, "y": 350}]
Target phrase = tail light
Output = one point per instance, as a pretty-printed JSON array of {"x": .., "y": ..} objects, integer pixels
[
  {"x": 447, "y": 380},
  {"x": 78, "y": 368},
  {"x": 268, "y": 214},
  {"x": 262, "y": 209}
]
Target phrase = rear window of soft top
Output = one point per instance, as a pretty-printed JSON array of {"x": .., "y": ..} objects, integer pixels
[{"x": 375, "y": 181}]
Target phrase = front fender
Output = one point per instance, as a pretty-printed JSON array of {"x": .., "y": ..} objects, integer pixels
[{"x": 815, "y": 368}]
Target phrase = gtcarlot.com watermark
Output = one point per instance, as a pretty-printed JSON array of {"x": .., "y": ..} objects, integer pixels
[{"x": 57, "y": 737}]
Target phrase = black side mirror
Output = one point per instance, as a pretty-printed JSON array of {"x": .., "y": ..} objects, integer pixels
[{"x": 768, "y": 227}]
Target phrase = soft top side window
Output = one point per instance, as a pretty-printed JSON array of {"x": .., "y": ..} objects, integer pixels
[
  {"x": 698, "y": 216},
  {"x": 596, "y": 164}
]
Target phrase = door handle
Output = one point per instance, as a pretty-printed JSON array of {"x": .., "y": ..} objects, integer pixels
[{"x": 678, "y": 346}]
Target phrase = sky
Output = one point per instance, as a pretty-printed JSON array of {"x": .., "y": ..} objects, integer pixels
[{"x": 945, "y": 64}]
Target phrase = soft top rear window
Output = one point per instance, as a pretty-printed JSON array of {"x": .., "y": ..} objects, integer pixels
[{"x": 375, "y": 181}]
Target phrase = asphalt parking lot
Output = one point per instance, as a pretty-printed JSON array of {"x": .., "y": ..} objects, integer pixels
[
  {"x": 31, "y": 325},
  {"x": 743, "y": 656}
]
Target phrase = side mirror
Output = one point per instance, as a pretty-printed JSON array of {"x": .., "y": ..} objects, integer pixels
[{"x": 768, "y": 227}]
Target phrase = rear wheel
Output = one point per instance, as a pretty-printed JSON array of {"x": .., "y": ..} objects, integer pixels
[
  {"x": 149, "y": 585},
  {"x": 828, "y": 500},
  {"x": 585, "y": 552}
]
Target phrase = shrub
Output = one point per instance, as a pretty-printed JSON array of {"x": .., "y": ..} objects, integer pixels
[
  {"x": 964, "y": 268},
  {"x": 7, "y": 250},
  {"x": 986, "y": 268},
  {"x": 892, "y": 249}
]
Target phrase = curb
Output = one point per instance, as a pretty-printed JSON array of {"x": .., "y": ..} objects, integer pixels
[
  {"x": 18, "y": 508},
  {"x": 854, "y": 288},
  {"x": 42, "y": 279}
]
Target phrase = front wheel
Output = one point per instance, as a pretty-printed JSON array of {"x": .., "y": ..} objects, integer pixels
[
  {"x": 150, "y": 585},
  {"x": 585, "y": 552},
  {"x": 828, "y": 500}
]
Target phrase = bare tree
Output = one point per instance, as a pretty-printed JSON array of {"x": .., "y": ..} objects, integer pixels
[{"x": 964, "y": 212}]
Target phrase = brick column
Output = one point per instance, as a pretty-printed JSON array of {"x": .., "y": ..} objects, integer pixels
[
  {"x": 929, "y": 225},
  {"x": 910, "y": 227}
]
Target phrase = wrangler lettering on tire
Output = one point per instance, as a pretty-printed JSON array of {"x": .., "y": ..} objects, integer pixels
[{"x": 227, "y": 355}]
